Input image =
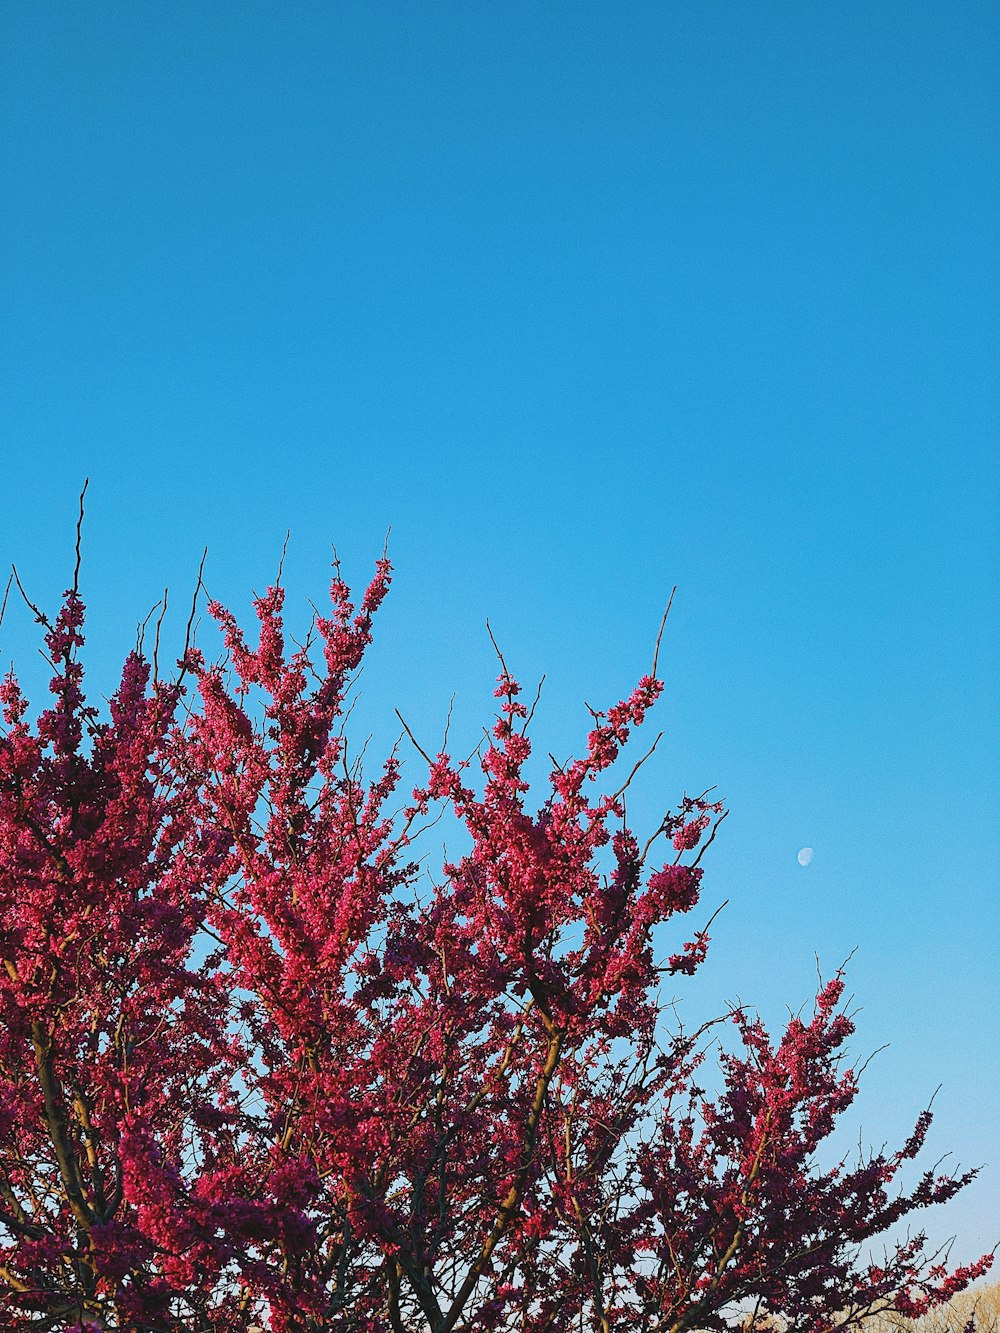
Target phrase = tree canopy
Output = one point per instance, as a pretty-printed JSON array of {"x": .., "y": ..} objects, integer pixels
[{"x": 261, "y": 1065}]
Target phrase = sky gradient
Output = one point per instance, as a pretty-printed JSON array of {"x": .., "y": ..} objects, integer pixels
[{"x": 582, "y": 301}]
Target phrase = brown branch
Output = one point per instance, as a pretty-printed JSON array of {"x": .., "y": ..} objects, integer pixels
[
  {"x": 512, "y": 1200},
  {"x": 691, "y": 1316},
  {"x": 69, "y": 1169},
  {"x": 393, "y": 1274}
]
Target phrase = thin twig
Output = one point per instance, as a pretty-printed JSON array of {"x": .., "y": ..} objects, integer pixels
[
  {"x": 877, "y": 1051},
  {"x": 711, "y": 838},
  {"x": 663, "y": 622},
  {"x": 416, "y": 744},
  {"x": 194, "y": 603},
  {"x": 79, "y": 538},
  {"x": 638, "y": 764},
  {"x": 708, "y": 924},
  {"x": 6, "y": 594},
  {"x": 156, "y": 637},
  {"x": 140, "y": 629},
  {"x": 281, "y": 562},
  {"x": 447, "y": 725},
  {"x": 496, "y": 649},
  {"x": 531, "y": 711},
  {"x": 40, "y": 617}
]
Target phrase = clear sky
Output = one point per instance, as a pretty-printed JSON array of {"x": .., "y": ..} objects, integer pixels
[{"x": 583, "y": 301}]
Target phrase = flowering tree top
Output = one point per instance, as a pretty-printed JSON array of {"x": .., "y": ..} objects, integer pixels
[{"x": 257, "y": 1066}]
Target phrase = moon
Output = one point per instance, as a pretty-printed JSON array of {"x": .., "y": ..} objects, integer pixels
[{"x": 805, "y": 856}]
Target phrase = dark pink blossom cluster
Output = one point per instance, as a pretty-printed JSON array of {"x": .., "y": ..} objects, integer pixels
[{"x": 258, "y": 1067}]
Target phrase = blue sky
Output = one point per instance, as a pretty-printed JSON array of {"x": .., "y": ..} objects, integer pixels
[{"x": 583, "y": 301}]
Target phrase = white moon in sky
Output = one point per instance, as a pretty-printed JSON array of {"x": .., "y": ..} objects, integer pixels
[{"x": 805, "y": 855}]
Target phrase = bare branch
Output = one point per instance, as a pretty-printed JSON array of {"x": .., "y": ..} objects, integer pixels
[
  {"x": 40, "y": 616},
  {"x": 281, "y": 562},
  {"x": 79, "y": 539},
  {"x": 663, "y": 622},
  {"x": 637, "y": 766},
  {"x": 710, "y": 839},
  {"x": 531, "y": 710},
  {"x": 416, "y": 744},
  {"x": 6, "y": 594}
]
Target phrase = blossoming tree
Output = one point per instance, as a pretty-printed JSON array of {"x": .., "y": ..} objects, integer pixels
[{"x": 258, "y": 1069}]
